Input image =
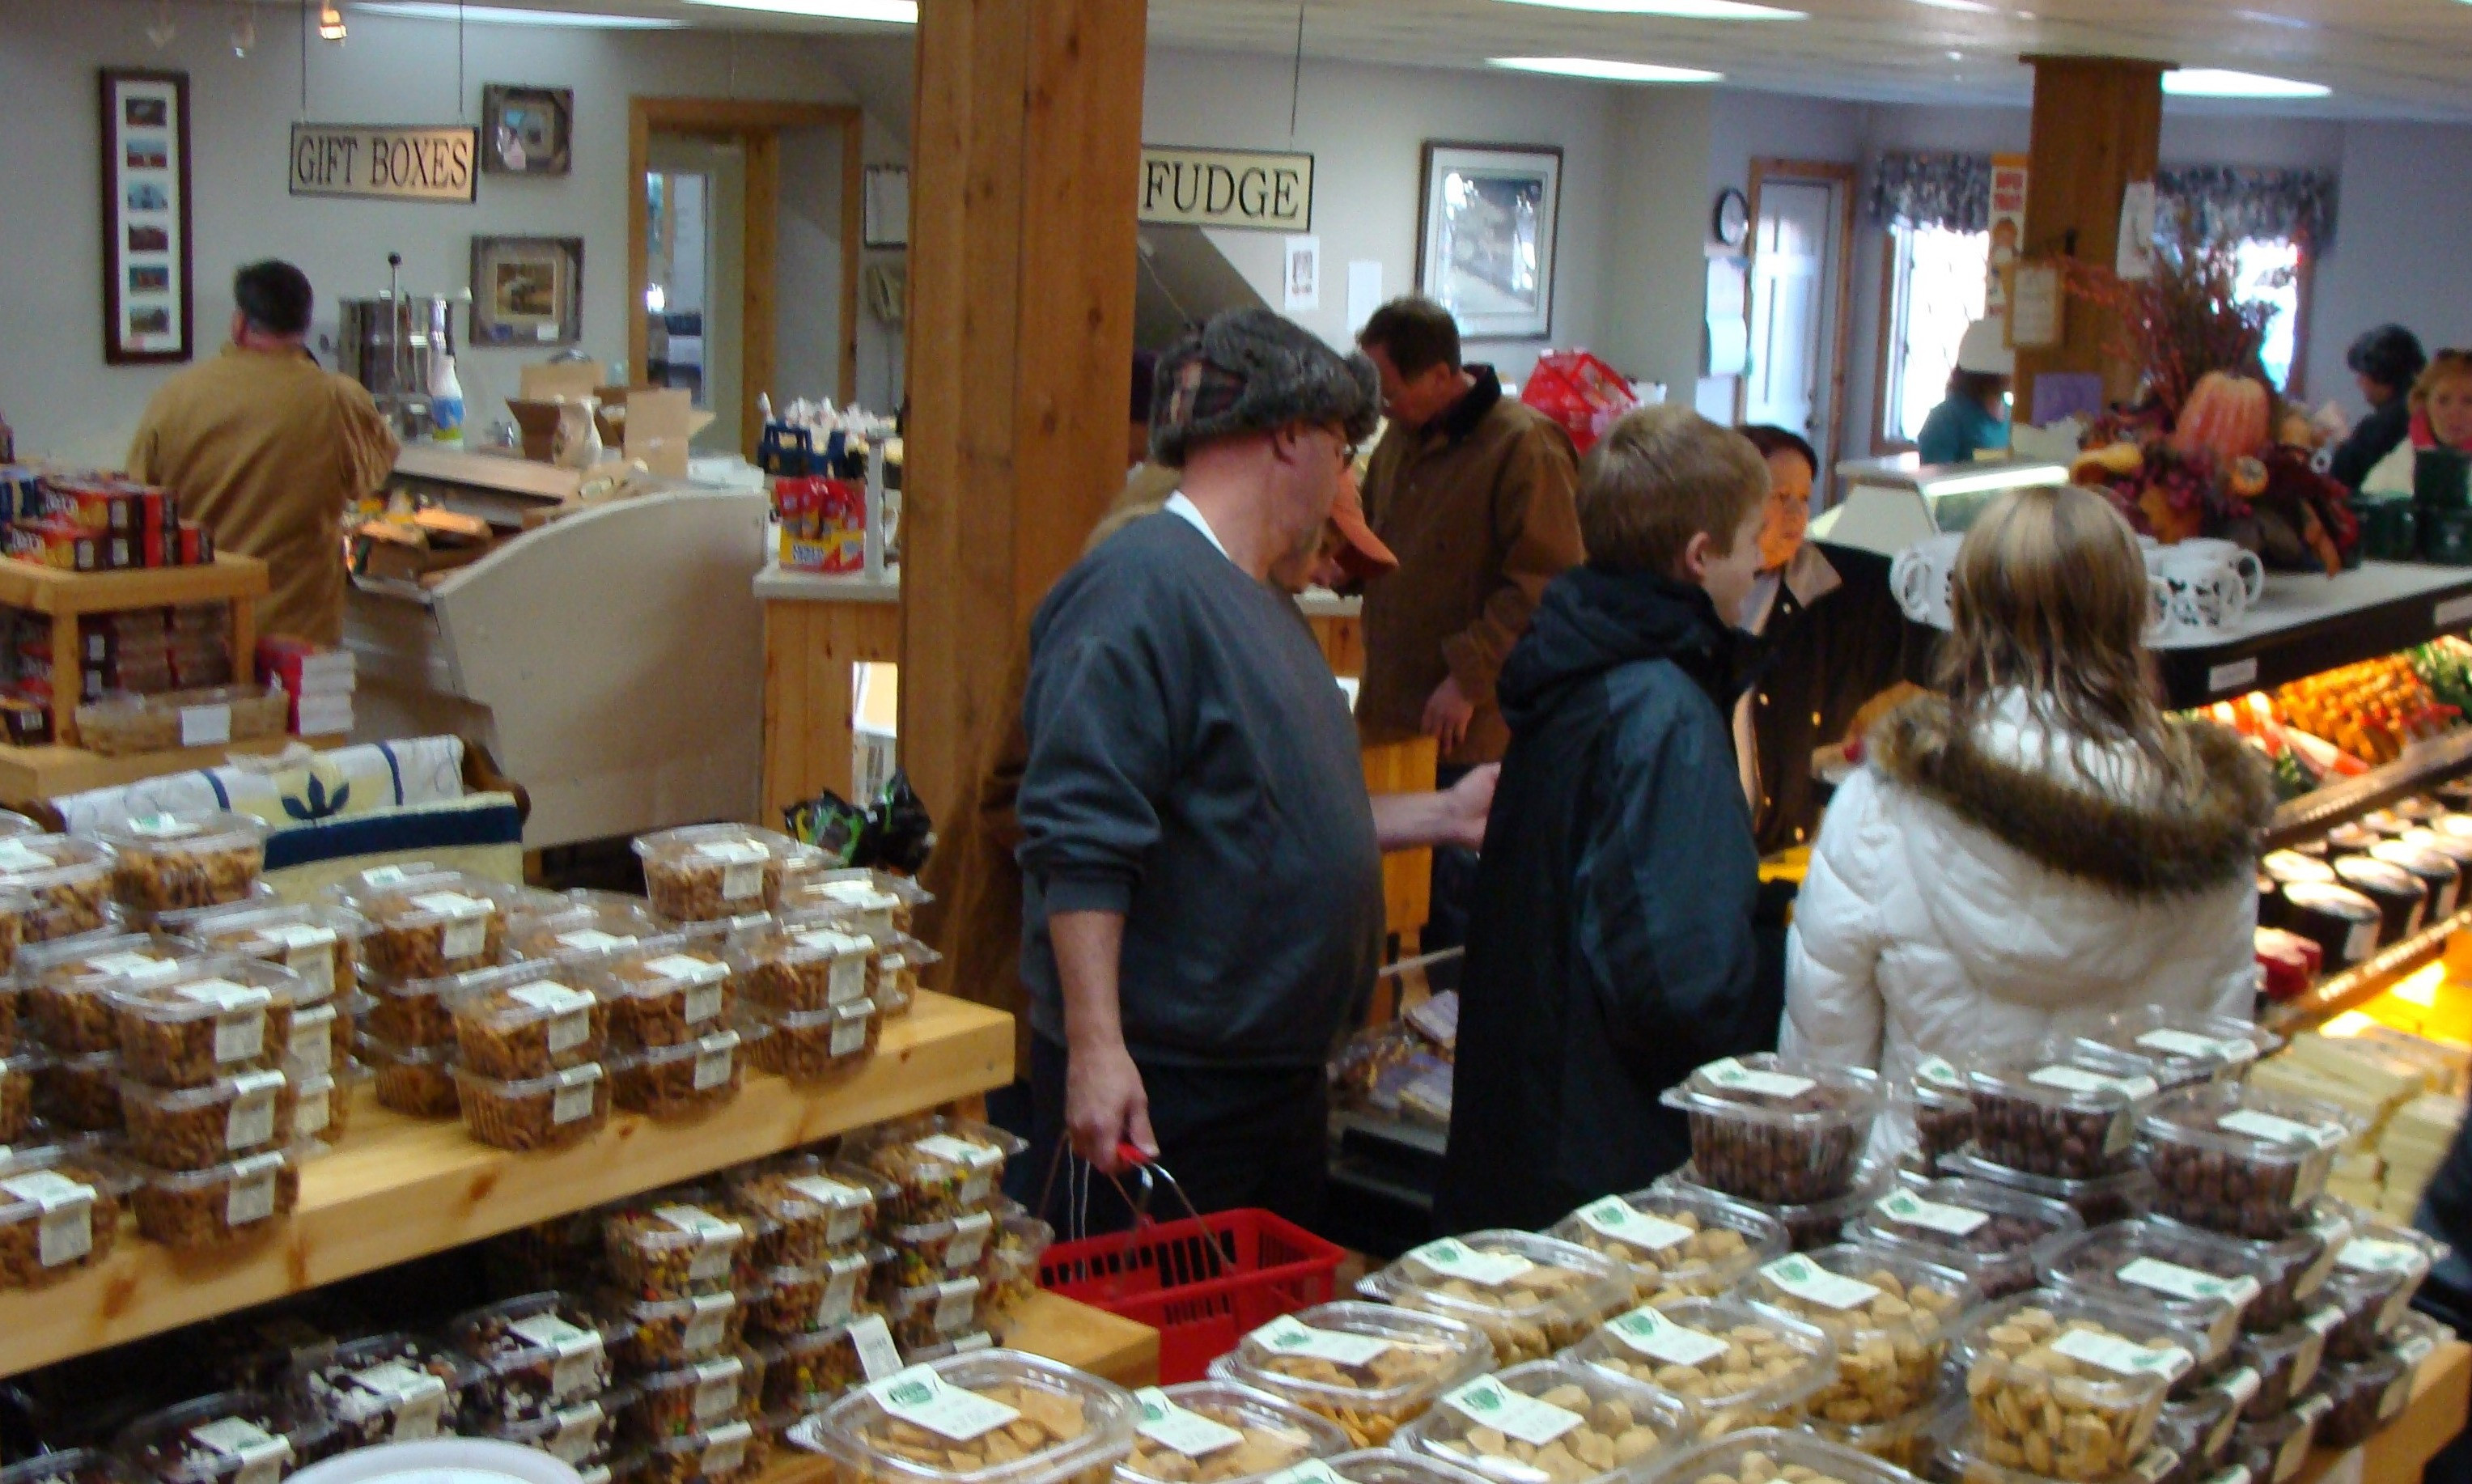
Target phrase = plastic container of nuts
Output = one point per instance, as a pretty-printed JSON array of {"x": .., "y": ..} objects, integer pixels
[
  {"x": 729, "y": 1453},
  {"x": 673, "y": 1243},
  {"x": 708, "y": 873},
  {"x": 1530, "y": 1296},
  {"x": 932, "y": 1251},
  {"x": 1819, "y": 1224},
  {"x": 318, "y": 940},
  {"x": 2172, "y": 1351},
  {"x": 2273, "y": 1451},
  {"x": 2286, "y": 1361},
  {"x": 657, "y": 1333},
  {"x": 2375, "y": 1277},
  {"x": 668, "y": 1082},
  {"x": 816, "y": 1045},
  {"x": 1888, "y": 1314},
  {"x": 415, "y": 1080},
  {"x": 1737, "y": 1366},
  {"x": 2195, "y": 1281},
  {"x": 939, "y": 1313},
  {"x": 526, "y": 1020},
  {"x": 2058, "y": 1109},
  {"x": 2361, "y": 1397},
  {"x": 1216, "y": 1432},
  {"x": 1367, "y": 1367},
  {"x": 803, "y": 967},
  {"x": 1011, "y": 1271},
  {"x": 1679, "y": 1243},
  {"x": 808, "y": 1373},
  {"x": 583, "y": 931},
  {"x": 2201, "y": 1426},
  {"x": 822, "y": 1295},
  {"x": 233, "y": 1437},
  {"x": 206, "y": 1020},
  {"x": 80, "y": 1092},
  {"x": 1901, "y": 1440},
  {"x": 1559, "y": 1422},
  {"x": 1992, "y": 1235},
  {"x": 427, "y": 927},
  {"x": 1776, "y": 1131},
  {"x": 1770, "y": 1455},
  {"x": 581, "y": 1436},
  {"x": 172, "y": 862},
  {"x": 1936, "y": 1106},
  {"x": 667, "y": 991},
  {"x": 2240, "y": 1160},
  {"x": 323, "y": 1105},
  {"x": 67, "y": 879},
  {"x": 66, "y": 987},
  {"x": 2064, "y": 1388},
  {"x": 2181, "y": 1046},
  {"x": 939, "y": 1166},
  {"x": 59, "y": 1215},
  {"x": 538, "y": 1113},
  {"x": 677, "y": 1401},
  {"x": 18, "y": 1092},
  {"x": 198, "y": 1128},
  {"x": 936, "y": 1424},
  {"x": 225, "y": 1204},
  {"x": 2288, "y": 1271},
  {"x": 807, "y": 1207},
  {"x": 870, "y": 901},
  {"x": 2104, "y": 1199},
  {"x": 538, "y": 1355},
  {"x": 893, "y": 973}
]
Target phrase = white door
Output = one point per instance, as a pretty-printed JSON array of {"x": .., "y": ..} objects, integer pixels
[{"x": 1793, "y": 322}]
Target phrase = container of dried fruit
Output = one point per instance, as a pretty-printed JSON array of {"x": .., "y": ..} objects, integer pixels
[
  {"x": 803, "y": 966},
  {"x": 939, "y": 1313},
  {"x": 64, "y": 988},
  {"x": 174, "y": 862},
  {"x": 1012, "y": 1271},
  {"x": 581, "y": 1436},
  {"x": 675, "y": 1243},
  {"x": 1992, "y": 1235},
  {"x": 2062, "y": 1386},
  {"x": 2202, "y": 1426},
  {"x": 1216, "y": 1432},
  {"x": 388, "y": 1388},
  {"x": 2361, "y": 1397},
  {"x": 18, "y": 1072},
  {"x": 539, "y": 1112},
  {"x": 1935, "y": 1106},
  {"x": 801, "y": 1298},
  {"x": 1367, "y": 1367},
  {"x": 729, "y": 1453},
  {"x": 538, "y": 1355},
  {"x": 1776, "y": 1129},
  {"x": 667, "y": 991},
  {"x": 323, "y": 1102},
  {"x": 243, "y": 1200},
  {"x": 2286, "y": 1361},
  {"x": 2273, "y": 1450},
  {"x": 808, "y": 1373},
  {"x": 233, "y": 1437},
  {"x": 652, "y": 1333},
  {"x": 1558, "y": 1421},
  {"x": 811, "y": 1205},
  {"x": 1888, "y": 1314},
  {"x": 207, "y": 1019},
  {"x": 2240, "y": 1160},
  {"x": 1736, "y": 1366},
  {"x": 1530, "y": 1296},
  {"x": 1772, "y": 1456},
  {"x": 677, "y": 1401},
  {"x": 2059, "y": 1108},
  {"x": 1677, "y": 1242},
  {"x": 67, "y": 882},
  {"x": 708, "y": 873},
  {"x": 2185, "y": 1276},
  {"x": 80, "y": 1092},
  {"x": 930, "y": 1251},
  {"x": 939, "y": 1166},
  {"x": 526, "y": 1020},
  {"x": 992, "y": 1417},
  {"x": 59, "y": 1215},
  {"x": 2376, "y": 1275},
  {"x": 1818, "y": 1223},
  {"x": 415, "y": 1080}
]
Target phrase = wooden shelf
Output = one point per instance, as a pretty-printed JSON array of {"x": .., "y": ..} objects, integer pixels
[
  {"x": 49, "y": 590},
  {"x": 2402, "y": 1448},
  {"x": 399, "y": 1188},
  {"x": 2423, "y": 765},
  {"x": 2362, "y": 983},
  {"x": 32, "y": 773}
]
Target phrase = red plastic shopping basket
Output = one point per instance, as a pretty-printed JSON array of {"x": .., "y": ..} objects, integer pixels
[{"x": 1202, "y": 1282}]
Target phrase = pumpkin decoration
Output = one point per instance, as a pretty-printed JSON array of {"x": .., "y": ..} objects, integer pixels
[
  {"x": 2225, "y": 415},
  {"x": 2248, "y": 478}
]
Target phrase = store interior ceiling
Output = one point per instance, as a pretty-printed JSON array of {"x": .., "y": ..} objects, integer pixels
[{"x": 2380, "y": 58}]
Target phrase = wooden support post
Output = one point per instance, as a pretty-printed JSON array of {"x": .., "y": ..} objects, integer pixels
[
  {"x": 1026, "y": 154},
  {"x": 2097, "y": 127}
]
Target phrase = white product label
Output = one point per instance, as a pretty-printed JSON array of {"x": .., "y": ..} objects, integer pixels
[
  {"x": 716, "y": 1387},
  {"x": 709, "y": 1319},
  {"x": 702, "y": 1002},
  {"x": 312, "y": 1045},
  {"x": 715, "y": 1055},
  {"x": 569, "y": 1011},
  {"x": 1807, "y": 1280},
  {"x": 850, "y": 1038},
  {"x": 1617, "y": 1220},
  {"x": 969, "y": 1241},
  {"x": 2281, "y": 1130},
  {"x": 162, "y": 827},
  {"x": 263, "y": 1457},
  {"x": 64, "y": 1215},
  {"x": 382, "y": 877},
  {"x": 2125, "y": 1357},
  {"x": 240, "y": 1017},
  {"x": 458, "y": 909},
  {"x": 687, "y": 969},
  {"x": 846, "y": 1203},
  {"x": 2077, "y": 1079},
  {"x": 956, "y": 1303},
  {"x": 1734, "y": 1076},
  {"x": 574, "y": 1098},
  {"x": 715, "y": 1239},
  {"x": 741, "y": 883},
  {"x": 314, "y": 1112},
  {"x": 205, "y": 726},
  {"x": 17, "y": 858},
  {"x": 840, "y": 1291},
  {"x": 2188, "y": 1045},
  {"x": 1454, "y": 1259},
  {"x": 464, "y": 938},
  {"x": 724, "y": 1449},
  {"x": 960, "y": 1151},
  {"x": 132, "y": 965},
  {"x": 1489, "y": 1404},
  {"x": 579, "y": 1429},
  {"x": 2187, "y": 1284},
  {"x": 250, "y": 1121},
  {"x": 2368, "y": 1255},
  {"x": 2154, "y": 1466},
  {"x": 250, "y": 1195},
  {"x": 733, "y": 852},
  {"x": 1285, "y": 1335},
  {"x": 920, "y": 1397},
  {"x": 2230, "y": 677},
  {"x": 1938, "y": 1073},
  {"x": 576, "y": 1353},
  {"x": 592, "y": 939},
  {"x": 1659, "y": 1338},
  {"x": 417, "y": 1399},
  {"x": 878, "y": 1357},
  {"x": 2415, "y": 1349},
  {"x": 2242, "y": 1386},
  {"x": 1908, "y": 1208},
  {"x": 2362, "y": 941},
  {"x": 1189, "y": 1433},
  {"x": 846, "y": 982}
]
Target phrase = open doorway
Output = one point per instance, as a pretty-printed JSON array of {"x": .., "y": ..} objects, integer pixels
[
  {"x": 1801, "y": 266},
  {"x": 694, "y": 254}
]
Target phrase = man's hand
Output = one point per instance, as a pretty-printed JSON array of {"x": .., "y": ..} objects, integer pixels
[
  {"x": 1105, "y": 1105},
  {"x": 1447, "y": 714}
]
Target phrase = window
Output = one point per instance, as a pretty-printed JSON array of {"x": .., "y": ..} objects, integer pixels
[
  {"x": 2271, "y": 272},
  {"x": 1935, "y": 289}
]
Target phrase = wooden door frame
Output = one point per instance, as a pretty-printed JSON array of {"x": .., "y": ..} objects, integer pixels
[
  {"x": 758, "y": 125},
  {"x": 1846, "y": 178}
]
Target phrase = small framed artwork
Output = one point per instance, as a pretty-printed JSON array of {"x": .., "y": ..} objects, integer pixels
[
  {"x": 527, "y": 291},
  {"x": 148, "y": 317},
  {"x": 887, "y": 208},
  {"x": 1487, "y": 252},
  {"x": 526, "y": 130}
]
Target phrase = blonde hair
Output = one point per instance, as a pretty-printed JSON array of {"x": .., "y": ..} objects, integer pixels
[
  {"x": 1659, "y": 477},
  {"x": 2444, "y": 367},
  {"x": 2049, "y": 597}
]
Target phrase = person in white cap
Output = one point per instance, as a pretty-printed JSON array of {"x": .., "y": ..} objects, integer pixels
[{"x": 1975, "y": 417}]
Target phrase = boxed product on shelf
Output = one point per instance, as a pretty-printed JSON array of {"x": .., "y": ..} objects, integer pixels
[
  {"x": 304, "y": 669},
  {"x": 415, "y": 1080},
  {"x": 196, "y": 1128},
  {"x": 319, "y": 716},
  {"x": 171, "y": 862},
  {"x": 1556, "y": 1420},
  {"x": 1762, "y": 1456},
  {"x": 122, "y": 726},
  {"x": 322, "y": 1108},
  {"x": 806, "y": 967},
  {"x": 732, "y": 1453},
  {"x": 666, "y": 990},
  {"x": 204, "y": 1019},
  {"x": 2376, "y": 1275},
  {"x": 525, "y": 1021},
  {"x": 233, "y": 1437},
  {"x": 679, "y": 1402},
  {"x": 2198, "y": 1282},
  {"x": 427, "y": 927},
  {"x": 2072, "y": 1384},
  {"x": 666, "y": 1082},
  {"x": 893, "y": 973},
  {"x": 2290, "y": 1270},
  {"x": 1807, "y": 1225},
  {"x": 584, "y": 928},
  {"x": 657, "y": 1333},
  {"x": 929, "y": 1252},
  {"x": 824, "y": 1293},
  {"x": 582, "y": 1436},
  {"x": 673, "y": 1243},
  {"x": 2274, "y": 1449},
  {"x": 2059, "y": 1108},
  {"x": 69, "y": 1466},
  {"x": 2241, "y": 1160},
  {"x": 2285, "y": 1360},
  {"x": 2184, "y": 1046},
  {"x": 1531, "y": 1296},
  {"x": 59, "y": 1215},
  {"x": 1011, "y": 1270},
  {"x": 79, "y": 1090},
  {"x": 806, "y": 1206},
  {"x": 935, "y": 1314},
  {"x": 318, "y": 940},
  {"x": 1991, "y": 1234},
  {"x": 2117, "y": 1196},
  {"x": 27, "y": 717},
  {"x": 1367, "y": 1367},
  {"x": 805, "y": 1374},
  {"x": 65, "y": 987},
  {"x": 17, "y": 1070},
  {"x": 817, "y": 1045}
]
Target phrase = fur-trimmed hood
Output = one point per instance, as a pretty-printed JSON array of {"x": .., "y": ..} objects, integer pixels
[{"x": 2097, "y": 813}]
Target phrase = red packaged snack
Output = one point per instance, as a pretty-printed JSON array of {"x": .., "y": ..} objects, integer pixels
[
  {"x": 2291, "y": 963},
  {"x": 196, "y": 546}
]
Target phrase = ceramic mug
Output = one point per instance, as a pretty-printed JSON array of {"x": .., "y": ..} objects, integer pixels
[
  {"x": 2207, "y": 596},
  {"x": 1921, "y": 577},
  {"x": 2231, "y": 554}
]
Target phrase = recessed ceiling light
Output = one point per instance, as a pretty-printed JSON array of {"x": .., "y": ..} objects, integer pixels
[
  {"x": 1681, "y": 10},
  {"x": 1604, "y": 70},
  {"x": 2218, "y": 82},
  {"x": 1970, "y": 6},
  {"x": 502, "y": 16},
  {"x": 900, "y": 12}
]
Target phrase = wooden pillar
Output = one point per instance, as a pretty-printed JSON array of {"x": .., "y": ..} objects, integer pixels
[
  {"x": 1025, "y": 158},
  {"x": 2098, "y": 126}
]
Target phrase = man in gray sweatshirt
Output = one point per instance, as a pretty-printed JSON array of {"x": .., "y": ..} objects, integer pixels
[{"x": 1202, "y": 888}]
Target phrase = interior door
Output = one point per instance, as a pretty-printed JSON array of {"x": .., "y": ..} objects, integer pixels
[
  {"x": 1792, "y": 321},
  {"x": 697, "y": 258}
]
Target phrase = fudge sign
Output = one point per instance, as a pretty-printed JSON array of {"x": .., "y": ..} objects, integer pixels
[
  {"x": 1240, "y": 188},
  {"x": 397, "y": 162}
]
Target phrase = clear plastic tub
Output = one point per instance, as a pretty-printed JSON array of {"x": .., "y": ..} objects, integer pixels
[
  {"x": 64, "y": 988},
  {"x": 17, "y": 1091},
  {"x": 1677, "y": 1243},
  {"x": 427, "y": 927},
  {"x": 233, "y": 1437},
  {"x": 1367, "y": 1367},
  {"x": 323, "y": 1105},
  {"x": 526, "y": 1021},
  {"x": 932, "y": 1425},
  {"x": 940, "y": 1313},
  {"x": 581, "y": 1436},
  {"x": 540, "y": 1112},
  {"x": 939, "y": 1166},
  {"x": 807, "y": 968},
  {"x": 2376, "y": 1275},
  {"x": 2064, "y": 1388},
  {"x": 388, "y": 1388},
  {"x": 199, "y": 1128},
  {"x": 59, "y": 1215},
  {"x": 652, "y": 1333},
  {"x": 1737, "y": 1366},
  {"x": 1012, "y": 1271},
  {"x": 1762, "y": 1455},
  {"x": 2181, "y": 1046},
  {"x": 1548, "y": 1421},
  {"x": 2123, "y": 1195},
  {"x": 207, "y": 1018},
  {"x": 1773, "y": 1131},
  {"x": 893, "y": 973},
  {"x": 2202, "y": 1427},
  {"x": 2361, "y": 1397},
  {"x": 316, "y": 941},
  {"x": 710, "y": 872},
  {"x": 415, "y": 1080},
  {"x": 583, "y": 932},
  {"x": 1888, "y": 1314},
  {"x": 1820, "y": 1224},
  {"x": 1216, "y": 1432},
  {"x": 2058, "y": 1109},
  {"x": 67, "y": 882},
  {"x": 2195, "y": 1281},
  {"x": 80, "y": 1092},
  {"x": 1383, "y": 1466},
  {"x": 2240, "y": 1160},
  {"x": 175, "y": 862},
  {"x": 1935, "y": 1105},
  {"x": 667, "y": 991},
  {"x": 730, "y": 1452},
  {"x": 808, "y": 1207},
  {"x": 2286, "y": 1361},
  {"x": 1900, "y": 1441},
  {"x": 241, "y": 1200},
  {"x": 818, "y": 1045},
  {"x": 808, "y": 1373},
  {"x": 121, "y": 724},
  {"x": 826, "y": 1294},
  {"x": 2274, "y": 1449},
  {"x": 673, "y": 1243},
  {"x": 1992, "y": 1235},
  {"x": 1531, "y": 1296},
  {"x": 2179, "y": 1356},
  {"x": 1957, "y": 1451},
  {"x": 2288, "y": 1271},
  {"x": 934, "y": 1250},
  {"x": 668, "y": 1082},
  {"x": 870, "y": 900},
  {"x": 321, "y": 1034},
  {"x": 537, "y": 1355}
]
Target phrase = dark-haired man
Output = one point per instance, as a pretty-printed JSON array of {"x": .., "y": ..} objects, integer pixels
[
  {"x": 2384, "y": 362},
  {"x": 266, "y": 448}
]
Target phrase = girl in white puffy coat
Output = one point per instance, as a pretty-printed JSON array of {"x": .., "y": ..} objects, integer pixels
[{"x": 2037, "y": 846}]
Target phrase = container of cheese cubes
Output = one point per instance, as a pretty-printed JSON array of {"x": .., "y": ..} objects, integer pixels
[
  {"x": 1736, "y": 1366},
  {"x": 987, "y": 1417},
  {"x": 1679, "y": 1243},
  {"x": 1529, "y": 1295},
  {"x": 1218, "y": 1432},
  {"x": 1367, "y": 1367},
  {"x": 1772, "y": 1456},
  {"x": 1548, "y": 1421}
]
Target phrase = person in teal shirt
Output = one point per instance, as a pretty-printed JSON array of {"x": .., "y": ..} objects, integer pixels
[{"x": 1975, "y": 417}]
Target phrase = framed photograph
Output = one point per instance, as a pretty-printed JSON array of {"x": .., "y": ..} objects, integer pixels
[
  {"x": 526, "y": 130},
  {"x": 527, "y": 291},
  {"x": 887, "y": 208},
  {"x": 1487, "y": 252},
  {"x": 148, "y": 317}
]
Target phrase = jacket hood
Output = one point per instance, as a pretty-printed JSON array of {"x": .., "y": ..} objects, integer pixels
[
  {"x": 2099, "y": 814},
  {"x": 1591, "y": 620}
]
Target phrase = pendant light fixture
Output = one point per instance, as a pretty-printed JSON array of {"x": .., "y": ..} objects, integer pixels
[{"x": 162, "y": 28}]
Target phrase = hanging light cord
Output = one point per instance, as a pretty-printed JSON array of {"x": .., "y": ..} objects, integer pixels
[
  {"x": 463, "y": 111},
  {"x": 305, "y": 60},
  {"x": 1297, "y": 80}
]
